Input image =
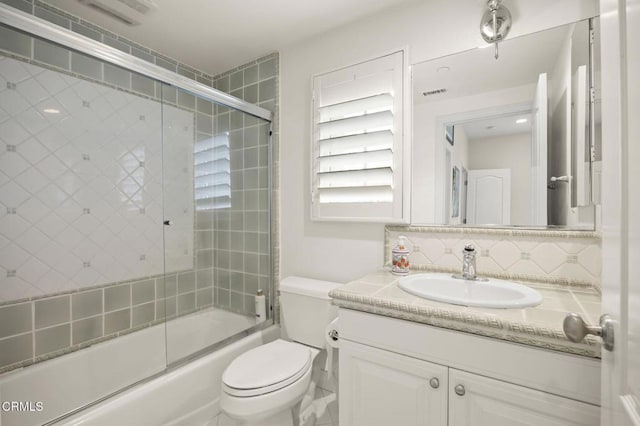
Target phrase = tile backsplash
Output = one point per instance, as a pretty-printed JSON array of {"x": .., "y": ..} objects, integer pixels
[{"x": 558, "y": 257}]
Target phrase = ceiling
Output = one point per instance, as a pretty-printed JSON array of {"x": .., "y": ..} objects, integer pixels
[
  {"x": 215, "y": 36},
  {"x": 476, "y": 71},
  {"x": 500, "y": 125}
]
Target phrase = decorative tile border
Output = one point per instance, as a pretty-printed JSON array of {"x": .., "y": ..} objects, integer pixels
[
  {"x": 498, "y": 232},
  {"x": 556, "y": 257},
  {"x": 89, "y": 316}
]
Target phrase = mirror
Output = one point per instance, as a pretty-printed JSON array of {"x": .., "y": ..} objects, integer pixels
[{"x": 513, "y": 141}]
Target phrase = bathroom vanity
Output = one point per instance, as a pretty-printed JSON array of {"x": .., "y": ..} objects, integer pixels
[{"x": 405, "y": 360}]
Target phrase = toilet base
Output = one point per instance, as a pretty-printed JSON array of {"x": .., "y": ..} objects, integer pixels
[
  {"x": 301, "y": 414},
  {"x": 282, "y": 418}
]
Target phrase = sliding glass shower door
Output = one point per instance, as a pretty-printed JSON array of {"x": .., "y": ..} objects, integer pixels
[
  {"x": 134, "y": 219},
  {"x": 81, "y": 234},
  {"x": 217, "y": 233}
]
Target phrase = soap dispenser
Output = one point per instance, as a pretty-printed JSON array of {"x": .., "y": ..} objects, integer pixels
[{"x": 400, "y": 257}]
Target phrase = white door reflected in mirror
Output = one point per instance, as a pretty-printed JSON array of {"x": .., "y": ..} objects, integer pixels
[{"x": 489, "y": 197}]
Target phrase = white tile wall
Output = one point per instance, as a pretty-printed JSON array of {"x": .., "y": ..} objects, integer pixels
[
  {"x": 547, "y": 256},
  {"x": 81, "y": 195}
]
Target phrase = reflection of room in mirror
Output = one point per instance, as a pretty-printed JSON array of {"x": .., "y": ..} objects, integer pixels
[
  {"x": 498, "y": 157},
  {"x": 515, "y": 122}
]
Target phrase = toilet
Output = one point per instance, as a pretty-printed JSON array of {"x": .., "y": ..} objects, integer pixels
[{"x": 264, "y": 385}]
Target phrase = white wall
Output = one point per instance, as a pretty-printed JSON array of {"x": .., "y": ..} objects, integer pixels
[
  {"x": 508, "y": 152},
  {"x": 559, "y": 157},
  {"x": 459, "y": 158},
  {"x": 344, "y": 251}
]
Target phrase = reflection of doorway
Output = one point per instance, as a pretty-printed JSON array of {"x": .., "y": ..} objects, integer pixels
[
  {"x": 489, "y": 197},
  {"x": 494, "y": 138},
  {"x": 509, "y": 136}
]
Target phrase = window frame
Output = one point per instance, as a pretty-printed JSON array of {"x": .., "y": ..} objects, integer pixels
[{"x": 399, "y": 210}]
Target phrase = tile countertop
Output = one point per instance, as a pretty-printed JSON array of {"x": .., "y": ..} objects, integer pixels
[{"x": 540, "y": 326}]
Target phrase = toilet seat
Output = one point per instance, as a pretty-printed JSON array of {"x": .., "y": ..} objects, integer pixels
[{"x": 266, "y": 369}]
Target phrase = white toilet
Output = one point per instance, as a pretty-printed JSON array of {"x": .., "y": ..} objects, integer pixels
[{"x": 263, "y": 385}]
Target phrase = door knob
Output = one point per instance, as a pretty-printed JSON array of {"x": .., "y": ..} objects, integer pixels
[{"x": 576, "y": 329}]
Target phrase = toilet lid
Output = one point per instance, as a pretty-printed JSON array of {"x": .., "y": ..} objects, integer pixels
[{"x": 266, "y": 368}]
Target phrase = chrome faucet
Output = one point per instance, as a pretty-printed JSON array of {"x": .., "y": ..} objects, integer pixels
[{"x": 469, "y": 264}]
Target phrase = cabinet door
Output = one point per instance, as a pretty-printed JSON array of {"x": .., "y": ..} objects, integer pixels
[
  {"x": 384, "y": 388},
  {"x": 489, "y": 402}
]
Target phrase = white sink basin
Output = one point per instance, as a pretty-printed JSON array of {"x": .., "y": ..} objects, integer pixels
[{"x": 486, "y": 294}]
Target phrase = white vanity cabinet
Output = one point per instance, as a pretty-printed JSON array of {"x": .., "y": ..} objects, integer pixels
[
  {"x": 395, "y": 372},
  {"x": 478, "y": 401}
]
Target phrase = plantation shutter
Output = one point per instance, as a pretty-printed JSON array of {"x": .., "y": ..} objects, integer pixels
[
  {"x": 212, "y": 173},
  {"x": 357, "y": 142}
]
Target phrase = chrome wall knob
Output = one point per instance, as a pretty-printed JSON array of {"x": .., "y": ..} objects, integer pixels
[
  {"x": 459, "y": 390},
  {"x": 576, "y": 329},
  {"x": 434, "y": 382}
]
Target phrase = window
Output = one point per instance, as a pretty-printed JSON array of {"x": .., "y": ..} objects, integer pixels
[
  {"x": 212, "y": 173},
  {"x": 357, "y": 152}
]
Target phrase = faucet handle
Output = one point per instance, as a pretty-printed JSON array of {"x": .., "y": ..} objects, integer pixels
[{"x": 469, "y": 248}]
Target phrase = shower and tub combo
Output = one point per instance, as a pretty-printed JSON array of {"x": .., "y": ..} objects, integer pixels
[{"x": 135, "y": 226}]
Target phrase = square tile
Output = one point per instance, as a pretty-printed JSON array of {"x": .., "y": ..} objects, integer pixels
[
  {"x": 51, "y": 54},
  {"x": 86, "y": 329},
  {"x": 16, "y": 349},
  {"x": 14, "y": 41},
  {"x": 143, "y": 314},
  {"x": 52, "y": 339},
  {"x": 86, "y": 304},
  {"x": 15, "y": 319},
  {"x": 117, "y": 321},
  {"x": 48, "y": 312},
  {"x": 117, "y": 297}
]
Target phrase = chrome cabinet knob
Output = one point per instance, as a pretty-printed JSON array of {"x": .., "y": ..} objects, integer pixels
[
  {"x": 576, "y": 329},
  {"x": 434, "y": 382},
  {"x": 460, "y": 390}
]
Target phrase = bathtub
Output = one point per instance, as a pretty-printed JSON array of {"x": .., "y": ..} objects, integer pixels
[
  {"x": 187, "y": 394},
  {"x": 192, "y": 333}
]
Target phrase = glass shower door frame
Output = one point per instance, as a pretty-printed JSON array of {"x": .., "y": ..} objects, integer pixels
[
  {"x": 44, "y": 29},
  {"x": 37, "y": 27}
]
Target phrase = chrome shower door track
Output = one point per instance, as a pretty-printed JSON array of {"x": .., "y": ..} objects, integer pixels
[{"x": 40, "y": 28}]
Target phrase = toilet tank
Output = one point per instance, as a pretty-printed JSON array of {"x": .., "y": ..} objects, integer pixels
[{"x": 306, "y": 309}]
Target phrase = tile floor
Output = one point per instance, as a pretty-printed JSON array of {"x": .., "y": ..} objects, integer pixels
[{"x": 325, "y": 405}]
